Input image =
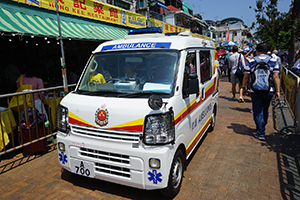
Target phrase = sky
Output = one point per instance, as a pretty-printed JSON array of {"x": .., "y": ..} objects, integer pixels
[{"x": 221, "y": 9}]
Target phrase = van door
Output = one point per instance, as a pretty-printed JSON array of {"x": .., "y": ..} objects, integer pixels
[
  {"x": 190, "y": 100},
  {"x": 206, "y": 86}
]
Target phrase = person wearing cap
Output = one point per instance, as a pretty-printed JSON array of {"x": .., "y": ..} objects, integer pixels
[
  {"x": 248, "y": 55},
  {"x": 130, "y": 74}
]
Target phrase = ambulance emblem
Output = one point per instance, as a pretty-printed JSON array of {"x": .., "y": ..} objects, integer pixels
[{"x": 101, "y": 116}]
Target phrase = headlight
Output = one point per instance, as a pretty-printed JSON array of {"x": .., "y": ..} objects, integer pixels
[
  {"x": 159, "y": 129},
  {"x": 62, "y": 119}
]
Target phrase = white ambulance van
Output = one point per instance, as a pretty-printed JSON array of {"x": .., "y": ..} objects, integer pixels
[{"x": 140, "y": 108}]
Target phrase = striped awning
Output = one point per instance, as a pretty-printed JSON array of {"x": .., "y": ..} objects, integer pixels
[{"x": 35, "y": 25}]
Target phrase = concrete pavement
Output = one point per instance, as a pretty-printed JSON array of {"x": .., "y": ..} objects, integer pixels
[{"x": 228, "y": 164}]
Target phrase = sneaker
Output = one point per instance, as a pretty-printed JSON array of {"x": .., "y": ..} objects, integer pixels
[
  {"x": 262, "y": 137},
  {"x": 241, "y": 100},
  {"x": 233, "y": 97}
]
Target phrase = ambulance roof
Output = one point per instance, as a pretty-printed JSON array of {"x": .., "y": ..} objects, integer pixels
[{"x": 181, "y": 41}]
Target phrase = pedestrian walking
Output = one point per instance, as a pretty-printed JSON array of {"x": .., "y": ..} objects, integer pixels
[
  {"x": 221, "y": 65},
  {"x": 227, "y": 61},
  {"x": 262, "y": 67},
  {"x": 236, "y": 61},
  {"x": 276, "y": 56}
]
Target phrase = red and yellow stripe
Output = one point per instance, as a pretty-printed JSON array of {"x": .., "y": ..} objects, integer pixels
[
  {"x": 74, "y": 119},
  {"x": 195, "y": 140},
  {"x": 193, "y": 105},
  {"x": 137, "y": 125}
]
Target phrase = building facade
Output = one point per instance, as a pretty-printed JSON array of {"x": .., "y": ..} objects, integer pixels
[{"x": 237, "y": 33}]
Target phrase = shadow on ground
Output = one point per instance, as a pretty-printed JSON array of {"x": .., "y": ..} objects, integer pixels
[
  {"x": 111, "y": 188},
  {"x": 16, "y": 159}
]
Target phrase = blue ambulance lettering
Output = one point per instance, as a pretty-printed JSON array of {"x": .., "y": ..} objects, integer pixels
[
  {"x": 203, "y": 114},
  {"x": 140, "y": 45}
]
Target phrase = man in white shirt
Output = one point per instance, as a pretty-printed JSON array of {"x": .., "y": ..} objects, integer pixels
[
  {"x": 235, "y": 61},
  {"x": 275, "y": 55}
]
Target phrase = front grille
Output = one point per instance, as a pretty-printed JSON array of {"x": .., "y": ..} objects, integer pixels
[
  {"x": 105, "y": 156},
  {"x": 112, "y": 135},
  {"x": 109, "y": 169},
  {"x": 115, "y": 159}
]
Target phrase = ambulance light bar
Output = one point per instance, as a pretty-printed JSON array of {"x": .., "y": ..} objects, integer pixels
[
  {"x": 144, "y": 30},
  {"x": 170, "y": 34}
]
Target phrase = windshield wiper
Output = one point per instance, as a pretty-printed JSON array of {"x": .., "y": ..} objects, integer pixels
[
  {"x": 141, "y": 94},
  {"x": 83, "y": 92},
  {"x": 104, "y": 92}
]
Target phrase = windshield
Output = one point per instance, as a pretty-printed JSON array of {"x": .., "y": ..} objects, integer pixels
[{"x": 130, "y": 72}]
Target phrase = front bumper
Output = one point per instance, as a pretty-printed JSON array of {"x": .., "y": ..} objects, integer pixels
[{"x": 123, "y": 163}]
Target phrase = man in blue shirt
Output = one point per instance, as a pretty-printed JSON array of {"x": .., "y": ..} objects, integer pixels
[{"x": 261, "y": 102}]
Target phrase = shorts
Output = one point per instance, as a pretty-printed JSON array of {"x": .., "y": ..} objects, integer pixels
[{"x": 234, "y": 79}]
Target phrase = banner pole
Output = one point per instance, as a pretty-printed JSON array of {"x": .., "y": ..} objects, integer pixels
[{"x": 62, "y": 59}]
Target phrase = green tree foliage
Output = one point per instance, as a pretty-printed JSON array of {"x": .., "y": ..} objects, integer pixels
[
  {"x": 281, "y": 30},
  {"x": 270, "y": 23}
]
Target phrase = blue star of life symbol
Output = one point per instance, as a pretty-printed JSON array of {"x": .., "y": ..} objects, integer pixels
[
  {"x": 63, "y": 158},
  {"x": 154, "y": 176}
]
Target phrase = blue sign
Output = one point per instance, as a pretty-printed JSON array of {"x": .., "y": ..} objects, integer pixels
[
  {"x": 154, "y": 176},
  {"x": 123, "y": 16},
  {"x": 140, "y": 45},
  {"x": 136, "y": 20},
  {"x": 63, "y": 158}
]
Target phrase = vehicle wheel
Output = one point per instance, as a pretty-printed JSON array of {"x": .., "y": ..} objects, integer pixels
[
  {"x": 212, "y": 122},
  {"x": 175, "y": 176}
]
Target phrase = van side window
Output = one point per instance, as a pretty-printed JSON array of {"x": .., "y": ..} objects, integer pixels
[
  {"x": 190, "y": 68},
  {"x": 190, "y": 63},
  {"x": 205, "y": 66}
]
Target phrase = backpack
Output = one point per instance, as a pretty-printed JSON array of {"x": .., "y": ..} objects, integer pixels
[
  {"x": 261, "y": 77},
  {"x": 32, "y": 123}
]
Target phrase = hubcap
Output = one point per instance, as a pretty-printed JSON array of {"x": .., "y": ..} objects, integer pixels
[
  {"x": 177, "y": 172},
  {"x": 213, "y": 120}
]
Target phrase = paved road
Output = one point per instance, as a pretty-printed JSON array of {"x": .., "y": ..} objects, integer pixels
[{"x": 228, "y": 164}]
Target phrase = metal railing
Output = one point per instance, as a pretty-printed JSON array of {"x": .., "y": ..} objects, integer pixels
[
  {"x": 290, "y": 83},
  {"x": 13, "y": 119}
]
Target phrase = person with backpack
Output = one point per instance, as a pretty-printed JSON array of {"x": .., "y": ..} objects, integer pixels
[
  {"x": 236, "y": 61},
  {"x": 263, "y": 71}
]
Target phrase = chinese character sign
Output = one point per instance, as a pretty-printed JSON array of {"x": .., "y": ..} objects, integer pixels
[
  {"x": 96, "y": 10},
  {"x": 93, "y": 10},
  {"x": 166, "y": 28}
]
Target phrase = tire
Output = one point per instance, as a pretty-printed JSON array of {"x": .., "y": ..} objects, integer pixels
[
  {"x": 175, "y": 176},
  {"x": 212, "y": 122}
]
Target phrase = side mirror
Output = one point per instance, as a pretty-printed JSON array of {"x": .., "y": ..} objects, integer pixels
[
  {"x": 155, "y": 102},
  {"x": 193, "y": 85}
]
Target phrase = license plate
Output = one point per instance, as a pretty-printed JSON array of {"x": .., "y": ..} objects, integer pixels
[{"x": 83, "y": 168}]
